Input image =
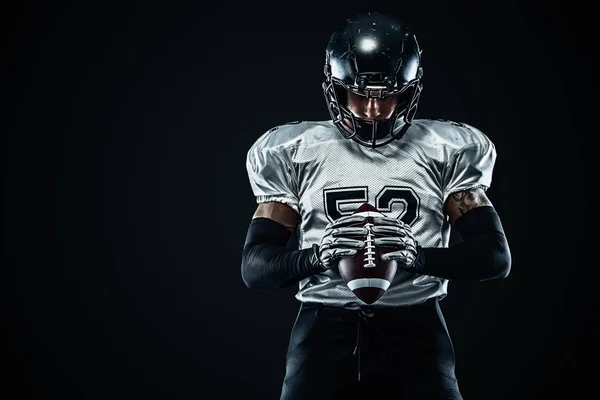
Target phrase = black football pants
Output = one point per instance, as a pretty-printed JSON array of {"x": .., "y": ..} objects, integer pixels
[{"x": 373, "y": 353}]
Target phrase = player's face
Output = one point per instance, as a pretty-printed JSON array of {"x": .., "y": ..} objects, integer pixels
[{"x": 373, "y": 108}]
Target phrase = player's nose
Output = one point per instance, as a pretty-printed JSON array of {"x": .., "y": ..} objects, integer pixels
[{"x": 372, "y": 109}]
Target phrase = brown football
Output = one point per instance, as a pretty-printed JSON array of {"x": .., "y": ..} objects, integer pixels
[{"x": 365, "y": 274}]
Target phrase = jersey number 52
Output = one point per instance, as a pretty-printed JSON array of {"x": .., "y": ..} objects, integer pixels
[{"x": 343, "y": 201}]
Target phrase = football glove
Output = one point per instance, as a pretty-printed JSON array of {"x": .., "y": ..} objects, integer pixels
[
  {"x": 340, "y": 240},
  {"x": 395, "y": 234}
]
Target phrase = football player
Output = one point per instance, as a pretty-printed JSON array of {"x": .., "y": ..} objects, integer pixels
[{"x": 427, "y": 176}]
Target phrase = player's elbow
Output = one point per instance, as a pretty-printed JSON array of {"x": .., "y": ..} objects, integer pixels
[
  {"x": 248, "y": 277},
  {"x": 255, "y": 270},
  {"x": 499, "y": 261},
  {"x": 251, "y": 283},
  {"x": 249, "y": 271},
  {"x": 501, "y": 266},
  {"x": 251, "y": 280}
]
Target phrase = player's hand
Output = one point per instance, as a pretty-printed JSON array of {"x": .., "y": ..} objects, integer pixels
[
  {"x": 391, "y": 232},
  {"x": 341, "y": 240}
]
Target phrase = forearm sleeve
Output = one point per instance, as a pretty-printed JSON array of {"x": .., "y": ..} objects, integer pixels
[
  {"x": 483, "y": 253},
  {"x": 267, "y": 263}
]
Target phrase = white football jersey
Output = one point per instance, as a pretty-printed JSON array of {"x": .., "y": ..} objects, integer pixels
[{"x": 310, "y": 167}]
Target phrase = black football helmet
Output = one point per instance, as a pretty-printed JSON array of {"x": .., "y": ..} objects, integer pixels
[{"x": 372, "y": 55}]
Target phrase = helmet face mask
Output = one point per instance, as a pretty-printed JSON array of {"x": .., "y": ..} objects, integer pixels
[{"x": 389, "y": 65}]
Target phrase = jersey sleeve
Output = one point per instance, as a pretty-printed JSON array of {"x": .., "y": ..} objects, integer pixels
[
  {"x": 271, "y": 174},
  {"x": 471, "y": 166}
]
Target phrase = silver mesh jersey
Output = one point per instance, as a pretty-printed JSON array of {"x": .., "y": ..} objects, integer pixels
[{"x": 313, "y": 169}]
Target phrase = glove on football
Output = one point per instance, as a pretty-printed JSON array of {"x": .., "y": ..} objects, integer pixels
[
  {"x": 391, "y": 232},
  {"x": 340, "y": 240}
]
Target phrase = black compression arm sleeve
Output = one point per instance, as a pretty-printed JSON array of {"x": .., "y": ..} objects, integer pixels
[
  {"x": 267, "y": 263},
  {"x": 483, "y": 254}
]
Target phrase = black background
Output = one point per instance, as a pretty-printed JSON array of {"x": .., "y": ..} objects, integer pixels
[{"x": 126, "y": 199}]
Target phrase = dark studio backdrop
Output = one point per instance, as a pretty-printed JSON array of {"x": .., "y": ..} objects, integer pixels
[{"x": 126, "y": 199}]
